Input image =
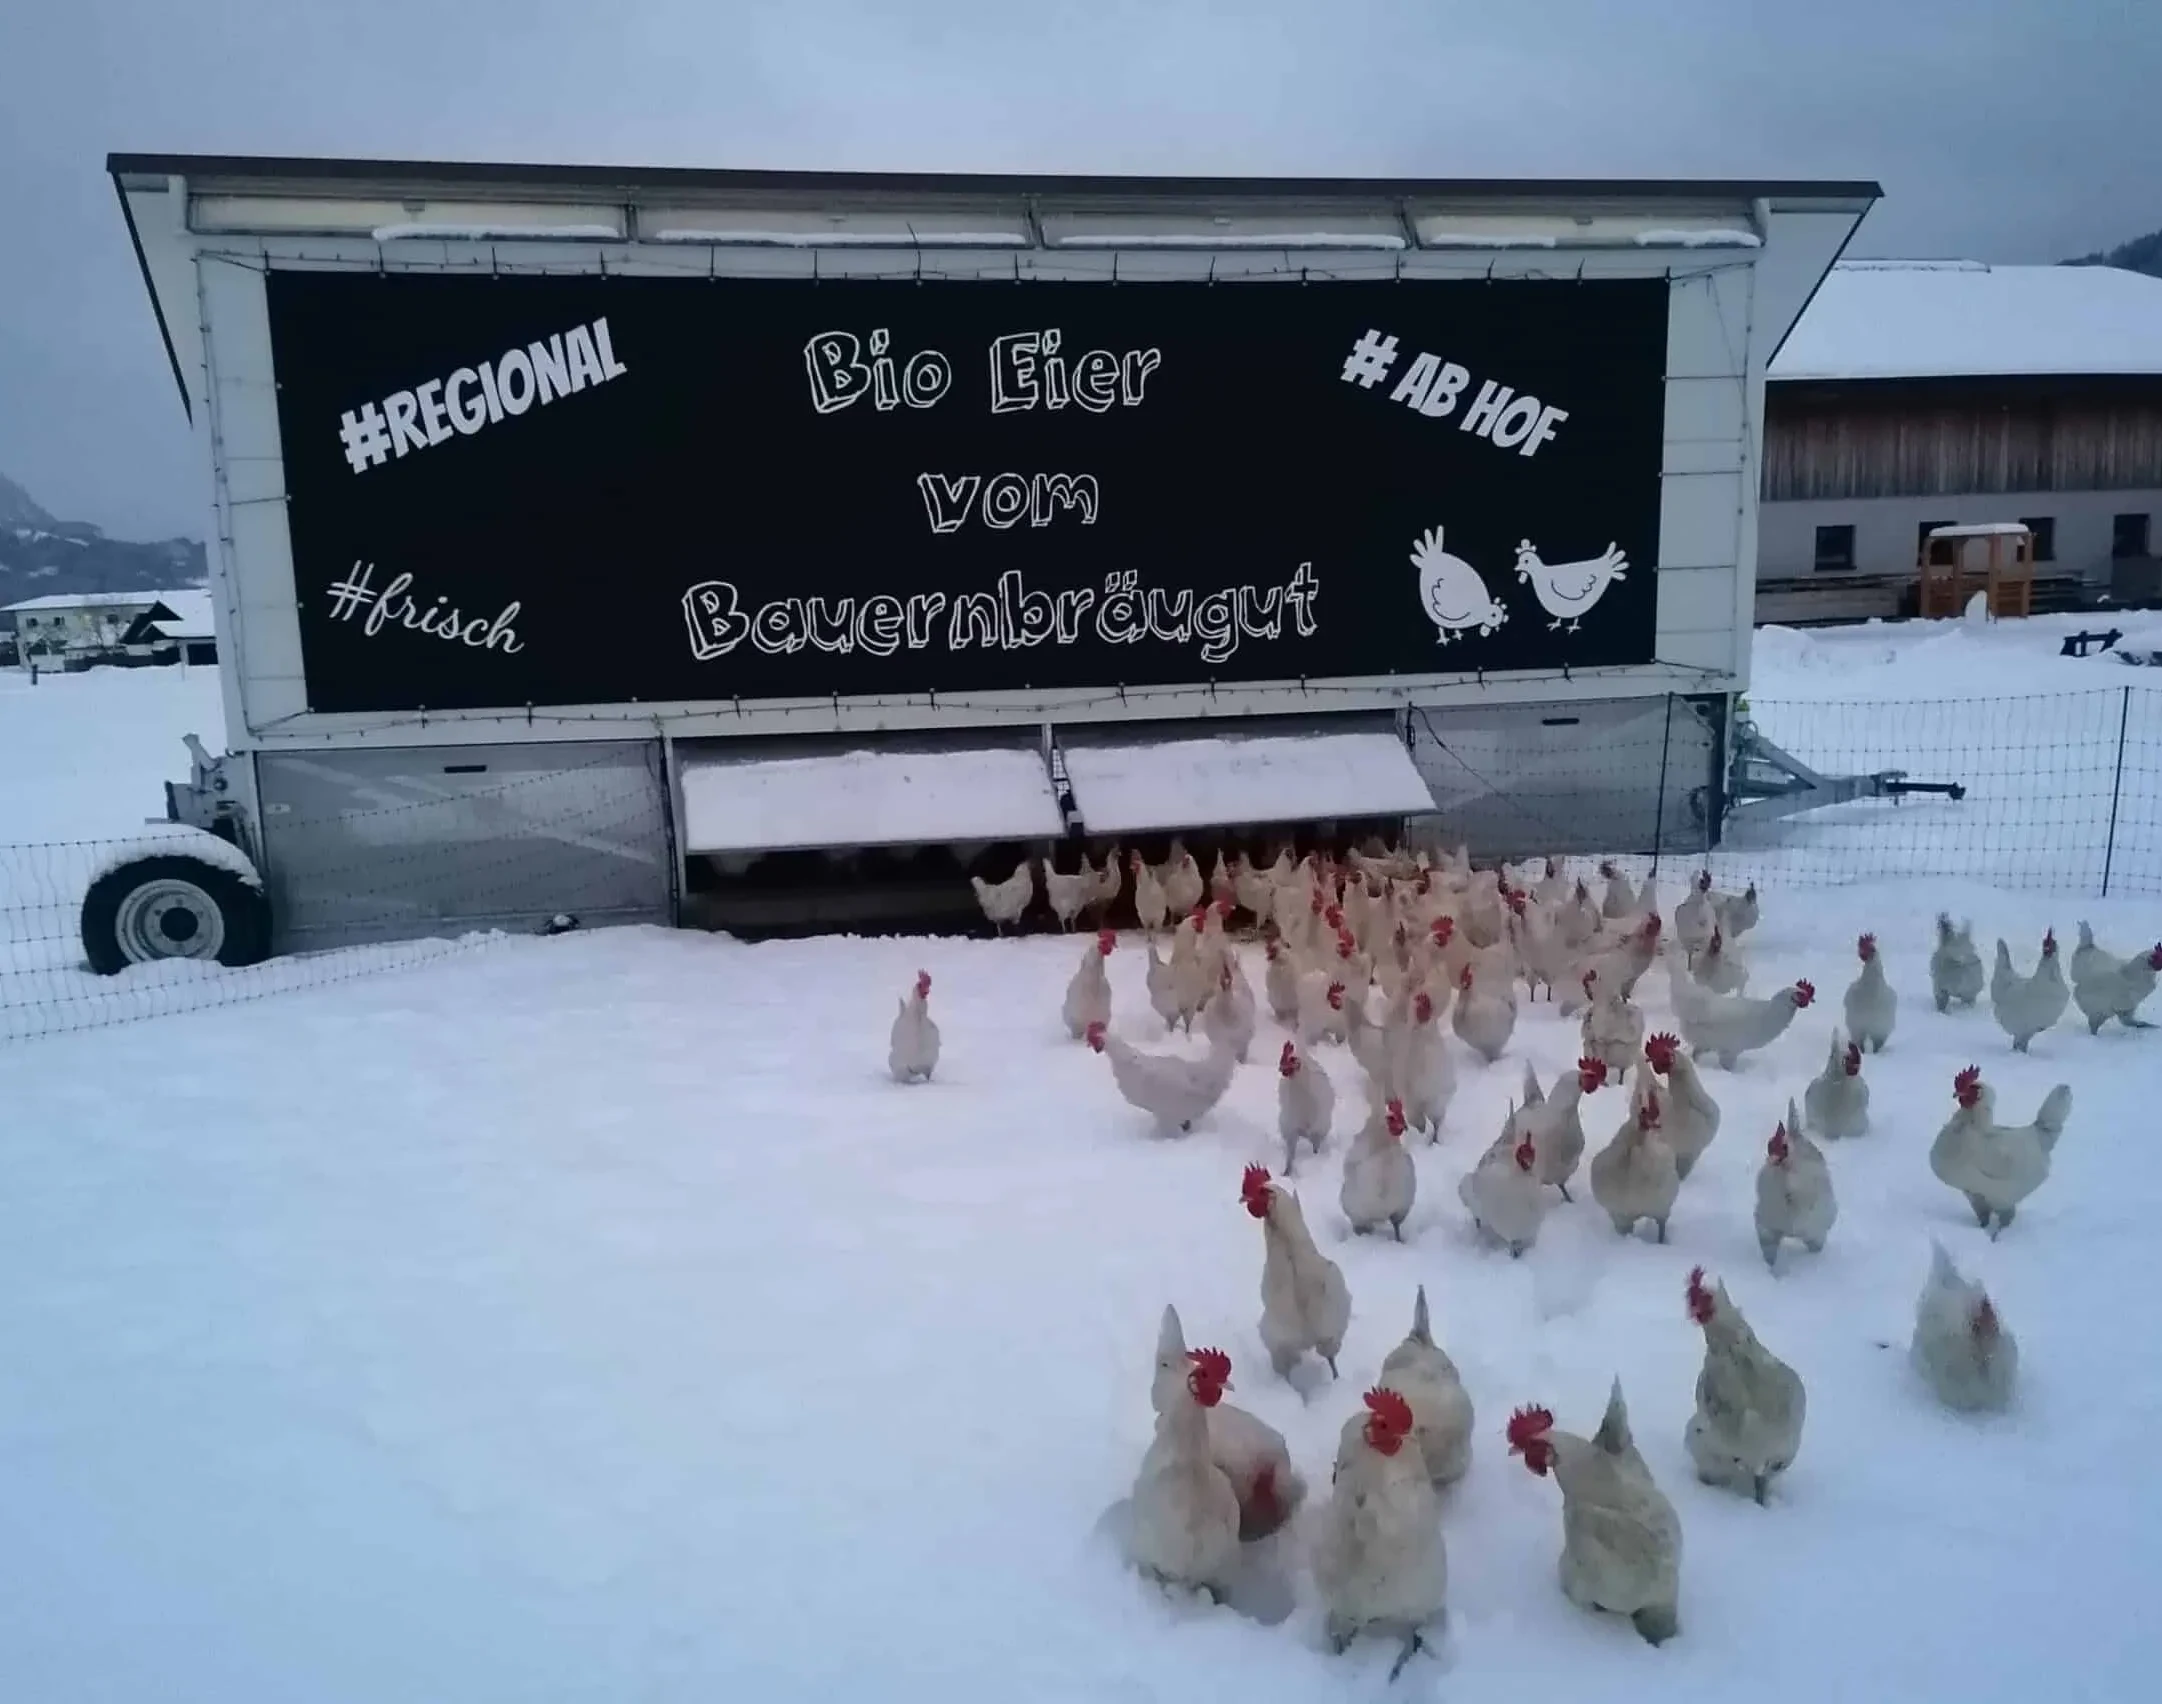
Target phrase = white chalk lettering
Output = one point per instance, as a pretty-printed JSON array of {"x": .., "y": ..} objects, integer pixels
[
  {"x": 611, "y": 368},
  {"x": 1025, "y": 618},
  {"x": 1440, "y": 402},
  {"x": 405, "y": 434},
  {"x": 878, "y": 625},
  {"x": 1027, "y": 371},
  {"x": 832, "y": 628},
  {"x": 1120, "y": 619},
  {"x": 885, "y": 396},
  {"x": 1001, "y": 501},
  {"x": 584, "y": 358},
  {"x": 717, "y": 627},
  {"x": 1543, "y": 433},
  {"x": 1418, "y": 379},
  {"x": 1005, "y": 500},
  {"x": 1261, "y": 613},
  {"x": 926, "y": 378},
  {"x": 1479, "y": 418},
  {"x": 1216, "y": 622},
  {"x": 434, "y": 420},
  {"x": 1096, "y": 380},
  {"x": 1171, "y": 616},
  {"x": 838, "y": 376},
  {"x": 947, "y": 501},
  {"x": 394, "y": 605},
  {"x": 778, "y": 627},
  {"x": 923, "y": 609},
  {"x": 1515, "y": 422},
  {"x": 551, "y": 371},
  {"x": 975, "y": 614},
  {"x": 470, "y": 414},
  {"x": 1073, "y": 604},
  {"x": 1065, "y": 491},
  {"x": 514, "y": 365}
]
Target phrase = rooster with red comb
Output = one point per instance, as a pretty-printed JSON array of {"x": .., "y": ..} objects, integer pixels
[{"x": 1378, "y": 1558}]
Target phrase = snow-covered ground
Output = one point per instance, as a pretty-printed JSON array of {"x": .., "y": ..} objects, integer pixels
[{"x": 589, "y": 1318}]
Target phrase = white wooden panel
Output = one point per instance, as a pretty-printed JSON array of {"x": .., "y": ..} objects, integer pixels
[
  {"x": 1708, "y": 325},
  {"x": 1716, "y": 651},
  {"x": 1695, "y": 600},
  {"x": 1703, "y": 455},
  {"x": 1700, "y": 520},
  {"x": 1706, "y": 408}
]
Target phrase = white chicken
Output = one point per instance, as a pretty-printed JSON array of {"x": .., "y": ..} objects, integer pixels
[
  {"x": 1171, "y": 1089},
  {"x": 1184, "y": 888},
  {"x": 1579, "y": 918},
  {"x": 1192, "y": 969},
  {"x": 1485, "y": 1014},
  {"x": 1422, "y": 1075},
  {"x": 1088, "y": 994},
  {"x": 1689, "y": 1117},
  {"x": 1996, "y": 1166},
  {"x": 1794, "y": 1192},
  {"x": 1536, "y": 939},
  {"x": 1621, "y": 1547},
  {"x": 1964, "y": 1352},
  {"x": 1105, "y": 886},
  {"x": 2105, "y": 986},
  {"x": 1253, "y": 889},
  {"x": 1151, "y": 904},
  {"x": 1280, "y": 981},
  {"x": 1747, "y": 1427},
  {"x": 1719, "y": 968},
  {"x": 1251, "y": 1452},
  {"x": 1228, "y": 1018},
  {"x": 1837, "y": 1099},
  {"x": 1634, "y": 1176},
  {"x": 1555, "y": 1122},
  {"x": 912, "y": 1044},
  {"x": 1321, "y": 1007},
  {"x": 1004, "y": 902},
  {"x": 1955, "y": 968},
  {"x": 1738, "y": 914},
  {"x": 1621, "y": 899},
  {"x": 1871, "y": 1007},
  {"x": 1441, "y": 1410},
  {"x": 1068, "y": 894},
  {"x": 1305, "y": 1304},
  {"x": 2025, "y": 1006},
  {"x": 1305, "y": 1103},
  {"x": 1623, "y": 964},
  {"x": 1725, "y": 1027},
  {"x": 1183, "y": 1517},
  {"x": 1612, "y": 1028},
  {"x": 1451, "y": 592},
  {"x": 1380, "y": 1183},
  {"x": 1504, "y": 1196},
  {"x": 1378, "y": 1561},
  {"x": 1696, "y": 917},
  {"x": 1568, "y": 590},
  {"x": 1161, "y": 979}
]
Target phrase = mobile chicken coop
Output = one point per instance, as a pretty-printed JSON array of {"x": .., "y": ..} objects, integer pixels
[{"x": 738, "y": 547}]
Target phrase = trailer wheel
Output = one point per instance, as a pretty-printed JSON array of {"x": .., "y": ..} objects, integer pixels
[{"x": 173, "y": 907}]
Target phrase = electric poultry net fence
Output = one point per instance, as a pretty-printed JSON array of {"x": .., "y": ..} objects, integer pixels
[
  {"x": 433, "y": 879},
  {"x": 2059, "y": 792}
]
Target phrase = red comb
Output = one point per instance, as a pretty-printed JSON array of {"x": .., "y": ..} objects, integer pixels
[
  {"x": 1210, "y": 1372},
  {"x": 1526, "y": 1156},
  {"x": 1866, "y": 946},
  {"x": 1254, "y": 1191},
  {"x": 1095, "y": 1034},
  {"x": 1388, "y": 1420},
  {"x": 1422, "y": 1007},
  {"x": 1590, "y": 1074},
  {"x": 2049, "y": 944},
  {"x": 1395, "y": 1120},
  {"x": 1854, "y": 1059},
  {"x": 923, "y": 982},
  {"x": 1804, "y": 992},
  {"x": 1660, "y": 1051},
  {"x": 1984, "y": 1318},
  {"x": 1648, "y": 1113},
  {"x": 1198, "y": 917},
  {"x": 1776, "y": 1149},
  {"x": 1463, "y": 978},
  {"x": 1967, "y": 1086},
  {"x": 1700, "y": 1299},
  {"x": 1527, "y": 1426},
  {"x": 1106, "y": 940},
  {"x": 1444, "y": 930},
  {"x": 1288, "y": 1061}
]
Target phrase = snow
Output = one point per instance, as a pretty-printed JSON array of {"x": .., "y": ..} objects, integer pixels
[
  {"x": 1216, "y": 239},
  {"x": 589, "y": 1317},
  {"x": 193, "y": 617},
  {"x": 862, "y": 798},
  {"x": 1486, "y": 239},
  {"x": 1980, "y": 529},
  {"x": 1899, "y": 321},
  {"x": 770, "y": 237},
  {"x": 92, "y": 600},
  {"x": 455, "y": 232},
  {"x": 1263, "y": 778},
  {"x": 1699, "y": 236},
  {"x": 174, "y": 839}
]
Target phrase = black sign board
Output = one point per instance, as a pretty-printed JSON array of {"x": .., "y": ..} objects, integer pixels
[{"x": 568, "y": 490}]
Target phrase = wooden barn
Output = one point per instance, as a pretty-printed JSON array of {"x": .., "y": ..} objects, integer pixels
[{"x": 1914, "y": 396}]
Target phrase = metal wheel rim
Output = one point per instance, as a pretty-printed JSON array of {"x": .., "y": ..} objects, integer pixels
[{"x": 169, "y": 919}]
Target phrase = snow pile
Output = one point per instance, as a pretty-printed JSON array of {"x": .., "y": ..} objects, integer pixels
[
  {"x": 854, "y": 797},
  {"x": 596, "y": 1314},
  {"x": 1260, "y": 778},
  {"x": 175, "y": 839},
  {"x": 86, "y": 756}
]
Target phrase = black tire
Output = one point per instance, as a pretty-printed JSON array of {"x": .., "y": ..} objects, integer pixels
[{"x": 173, "y": 906}]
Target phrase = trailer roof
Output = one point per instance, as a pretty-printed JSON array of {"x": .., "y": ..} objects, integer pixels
[{"x": 354, "y": 175}]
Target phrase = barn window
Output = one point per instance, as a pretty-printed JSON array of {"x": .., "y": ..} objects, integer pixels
[
  {"x": 2128, "y": 537},
  {"x": 1941, "y": 551},
  {"x": 1835, "y": 547},
  {"x": 2044, "y": 528}
]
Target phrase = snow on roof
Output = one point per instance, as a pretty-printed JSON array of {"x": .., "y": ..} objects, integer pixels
[
  {"x": 191, "y": 615},
  {"x": 96, "y": 600},
  {"x": 1919, "y": 319},
  {"x": 1980, "y": 529},
  {"x": 1145, "y": 784},
  {"x": 866, "y": 798}
]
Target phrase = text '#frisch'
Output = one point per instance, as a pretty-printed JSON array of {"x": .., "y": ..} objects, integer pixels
[{"x": 471, "y": 399}]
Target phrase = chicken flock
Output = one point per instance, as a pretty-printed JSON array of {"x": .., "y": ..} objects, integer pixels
[{"x": 1381, "y": 967}]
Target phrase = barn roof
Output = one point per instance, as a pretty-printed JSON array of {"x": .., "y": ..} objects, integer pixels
[{"x": 1965, "y": 319}]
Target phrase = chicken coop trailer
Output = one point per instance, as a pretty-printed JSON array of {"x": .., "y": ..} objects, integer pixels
[{"x": 732, "y": 547}]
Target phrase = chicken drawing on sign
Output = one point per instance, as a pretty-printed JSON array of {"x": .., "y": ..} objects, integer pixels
[
  {"x": 1451, "y": 592},
  {"x": 1568, "y": 590}
]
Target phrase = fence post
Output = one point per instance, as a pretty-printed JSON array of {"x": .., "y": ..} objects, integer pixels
[
  {"x": 1659, "y": 810},
  {"x": 2116, "y": 790}
]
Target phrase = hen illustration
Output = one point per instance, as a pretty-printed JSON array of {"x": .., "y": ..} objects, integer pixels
[
  {"x": 1568, "y": 590},
  {"x": 1451, "y": 592}
]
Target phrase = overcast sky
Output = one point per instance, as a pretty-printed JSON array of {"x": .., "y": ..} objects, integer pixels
[{"x": 2000, "y": 130}]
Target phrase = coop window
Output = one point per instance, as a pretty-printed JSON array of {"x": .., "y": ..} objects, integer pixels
[
  {"x": 2128, "y": 536},
  {"x": 2044, "y": 528},
  {"x": 1835, "y": 548},
  {"x": 1934, "y": 550}
]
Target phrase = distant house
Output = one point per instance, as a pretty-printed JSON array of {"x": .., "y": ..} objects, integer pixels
[
  {"x": 177, "y": 628},
  {"x": 1913, "y": 395},
  {"x": 76, "y": 630}
]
